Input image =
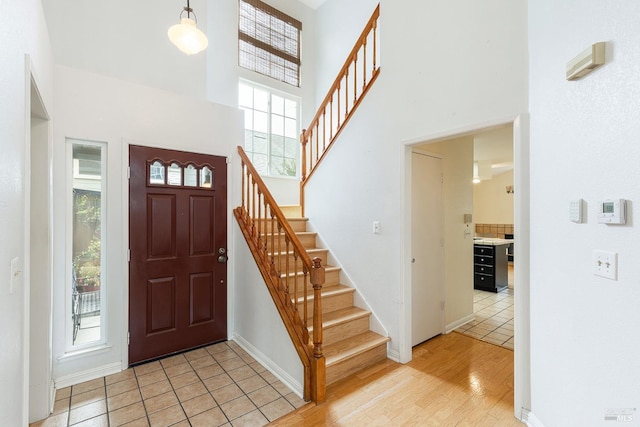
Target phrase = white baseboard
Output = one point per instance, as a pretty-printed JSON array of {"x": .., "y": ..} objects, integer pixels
[
  {"x": 455, "y": 325},
  {"x": 529, "y": 419},
  {"x": 88, "y": 375},
  {"x": 274, "y": 368},
  {"x": 393, "y": 355}
]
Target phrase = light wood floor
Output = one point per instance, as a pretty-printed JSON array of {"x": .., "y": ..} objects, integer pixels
[{"x": 453, "y": 380}]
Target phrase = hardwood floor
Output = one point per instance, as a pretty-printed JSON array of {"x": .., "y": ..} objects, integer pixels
[{"x": 453, "y": 380}]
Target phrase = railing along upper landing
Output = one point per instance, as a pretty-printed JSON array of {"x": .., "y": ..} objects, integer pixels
[
  {"x": 288, "y": 271},
  {"x": 354, "y": 80}
]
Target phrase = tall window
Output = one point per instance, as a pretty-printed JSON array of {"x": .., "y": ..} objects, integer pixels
[
  {"x": 87, "y": 279},
  {"x": 269, "y": 41},
  {"x": 270, "y": 130}
]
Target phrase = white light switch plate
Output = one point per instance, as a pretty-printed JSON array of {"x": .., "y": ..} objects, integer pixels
[{"x": 605, "y": 264}]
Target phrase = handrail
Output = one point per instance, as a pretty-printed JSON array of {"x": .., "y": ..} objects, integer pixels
[
  {"x": 288, "y": 271},
  {"x": 335, "y": 111}
]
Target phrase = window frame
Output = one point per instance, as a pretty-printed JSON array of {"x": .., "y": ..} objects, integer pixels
[
  {"x": 287, "y": 96},
  {"x": 276, "y": 58},
  {"x": 72, "y": 173}
]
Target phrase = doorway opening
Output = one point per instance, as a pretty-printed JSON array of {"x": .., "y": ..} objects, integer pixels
[
  {"x": 38, "y": 259},
  {"x": 459, "y": 230}
]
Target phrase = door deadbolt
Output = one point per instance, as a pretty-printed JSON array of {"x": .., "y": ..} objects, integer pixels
[{"x": 222, "y": 258}]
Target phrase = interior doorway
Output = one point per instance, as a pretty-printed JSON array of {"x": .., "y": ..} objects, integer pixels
[
  {"x": 38, "y": 261},
  {"x": 522, "y": 395}
]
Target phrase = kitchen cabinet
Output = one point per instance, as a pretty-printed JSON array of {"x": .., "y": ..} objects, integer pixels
[{"x": 490, "y": 267}]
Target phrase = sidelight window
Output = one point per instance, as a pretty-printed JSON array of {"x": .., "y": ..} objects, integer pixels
[{"x": 87, "y": 279}]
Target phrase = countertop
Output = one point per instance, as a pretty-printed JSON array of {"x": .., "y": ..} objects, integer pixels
[{"x": 491, "y": 241}]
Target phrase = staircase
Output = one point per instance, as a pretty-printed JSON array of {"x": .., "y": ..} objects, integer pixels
[
  {"x": 330, "y": 334},
  {"x": 348, "y": 344}
]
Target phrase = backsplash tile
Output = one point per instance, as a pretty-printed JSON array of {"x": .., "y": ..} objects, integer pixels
[{"x": 494, "y": 230}]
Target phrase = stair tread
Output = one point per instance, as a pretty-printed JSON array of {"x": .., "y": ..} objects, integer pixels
[
  {"x": 340, "y": 316},
  {"x": 345, "y": 349}
]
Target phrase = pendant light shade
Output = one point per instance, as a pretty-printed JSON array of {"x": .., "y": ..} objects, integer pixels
[{"x": 186, "y": 36}]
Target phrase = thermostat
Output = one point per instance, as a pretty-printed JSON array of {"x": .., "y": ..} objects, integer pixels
[{"x": 612, "y": 211}]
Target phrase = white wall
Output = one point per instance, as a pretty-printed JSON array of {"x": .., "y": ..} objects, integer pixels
[
  {"x": 584, "y": 354},
  {"x": 128, "y": 41},
  {"x": 100, "y": 108},
  {"x": 258, "y": 323},
  {"x": 435, "y": 80},
  {"x": 23, "y": 32},
  {"x": 491, "y": 202},
  {"x": 458, "y": 200}
]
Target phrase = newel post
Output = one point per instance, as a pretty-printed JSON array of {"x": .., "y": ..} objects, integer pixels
[{"x": 318, "y": 362}]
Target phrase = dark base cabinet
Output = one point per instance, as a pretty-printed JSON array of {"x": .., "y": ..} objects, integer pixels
[{"x": 490, "y": 267}]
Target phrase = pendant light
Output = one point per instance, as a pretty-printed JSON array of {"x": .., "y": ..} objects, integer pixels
[{"x": 186, "y": 36}]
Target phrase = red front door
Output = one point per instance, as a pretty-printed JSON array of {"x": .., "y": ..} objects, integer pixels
[{"x": 178, "y": 242}]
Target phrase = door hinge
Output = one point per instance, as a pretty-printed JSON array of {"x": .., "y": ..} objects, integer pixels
[
  {"x": 128, "y": 172},
  {"x": 128, "y": 338},
  {"x": 442, "y": 243},
  {"x": 228, "y": 160},
  {"x": 441, "y": 177},
  {"x": 442, "y": 305},
  {"x": 128, "y": 255}
]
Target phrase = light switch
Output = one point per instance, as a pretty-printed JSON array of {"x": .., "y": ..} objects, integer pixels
[
  {"x": 605, "y": 264},
  {"x": 376, "y": 227}
]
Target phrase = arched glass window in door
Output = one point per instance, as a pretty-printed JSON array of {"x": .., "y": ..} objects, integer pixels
[
  {"x": 190, "y": 176},
  {"x": 156, "y": 173},
  {"x": 174, "y": 174},
  {"x": 206, "y": 177}
]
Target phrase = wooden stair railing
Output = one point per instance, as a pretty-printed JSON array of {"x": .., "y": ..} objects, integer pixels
[
  {"x": 271, "y": 240},
  {"x": 349, "y": 88}
]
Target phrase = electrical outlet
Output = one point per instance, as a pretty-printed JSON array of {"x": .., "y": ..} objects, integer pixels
[{"x": 605, "y": 264}]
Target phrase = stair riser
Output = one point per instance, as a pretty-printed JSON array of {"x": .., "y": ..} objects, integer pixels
[
  {"x": 354, "y": 364},
  {"x": 296, "y": 224},
  {"x": 330, "y": 303},
  {"x": 308, "y": 241},
  {"x": 345, "y": 330},
  {"x": 331, "y": 278},
  {"x": 321, "y": 254}
]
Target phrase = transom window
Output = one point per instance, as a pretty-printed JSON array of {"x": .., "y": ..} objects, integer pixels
[
  {"x": 269, "y": 41},
  {"x": 270, "y": 129}
]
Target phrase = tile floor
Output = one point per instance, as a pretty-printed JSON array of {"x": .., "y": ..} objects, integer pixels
[
  {"x": 218, "y": 385},
  {"x": 494, "y": 316}
]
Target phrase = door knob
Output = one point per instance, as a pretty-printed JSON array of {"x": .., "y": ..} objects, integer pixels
[{"x": 222, "y": 258}]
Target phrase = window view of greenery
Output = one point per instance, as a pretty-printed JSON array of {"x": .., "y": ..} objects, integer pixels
[
  {"x": 87, "y": 243},
  {"x": 271, "y": 130}
]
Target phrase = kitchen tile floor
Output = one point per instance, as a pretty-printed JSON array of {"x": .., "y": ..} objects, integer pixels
[
  {"x": 218, "y": 385},
  {"x": 494, "y": 316}
]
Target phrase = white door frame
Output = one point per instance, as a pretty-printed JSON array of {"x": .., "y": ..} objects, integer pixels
[{"x": 522, "y": 352}]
